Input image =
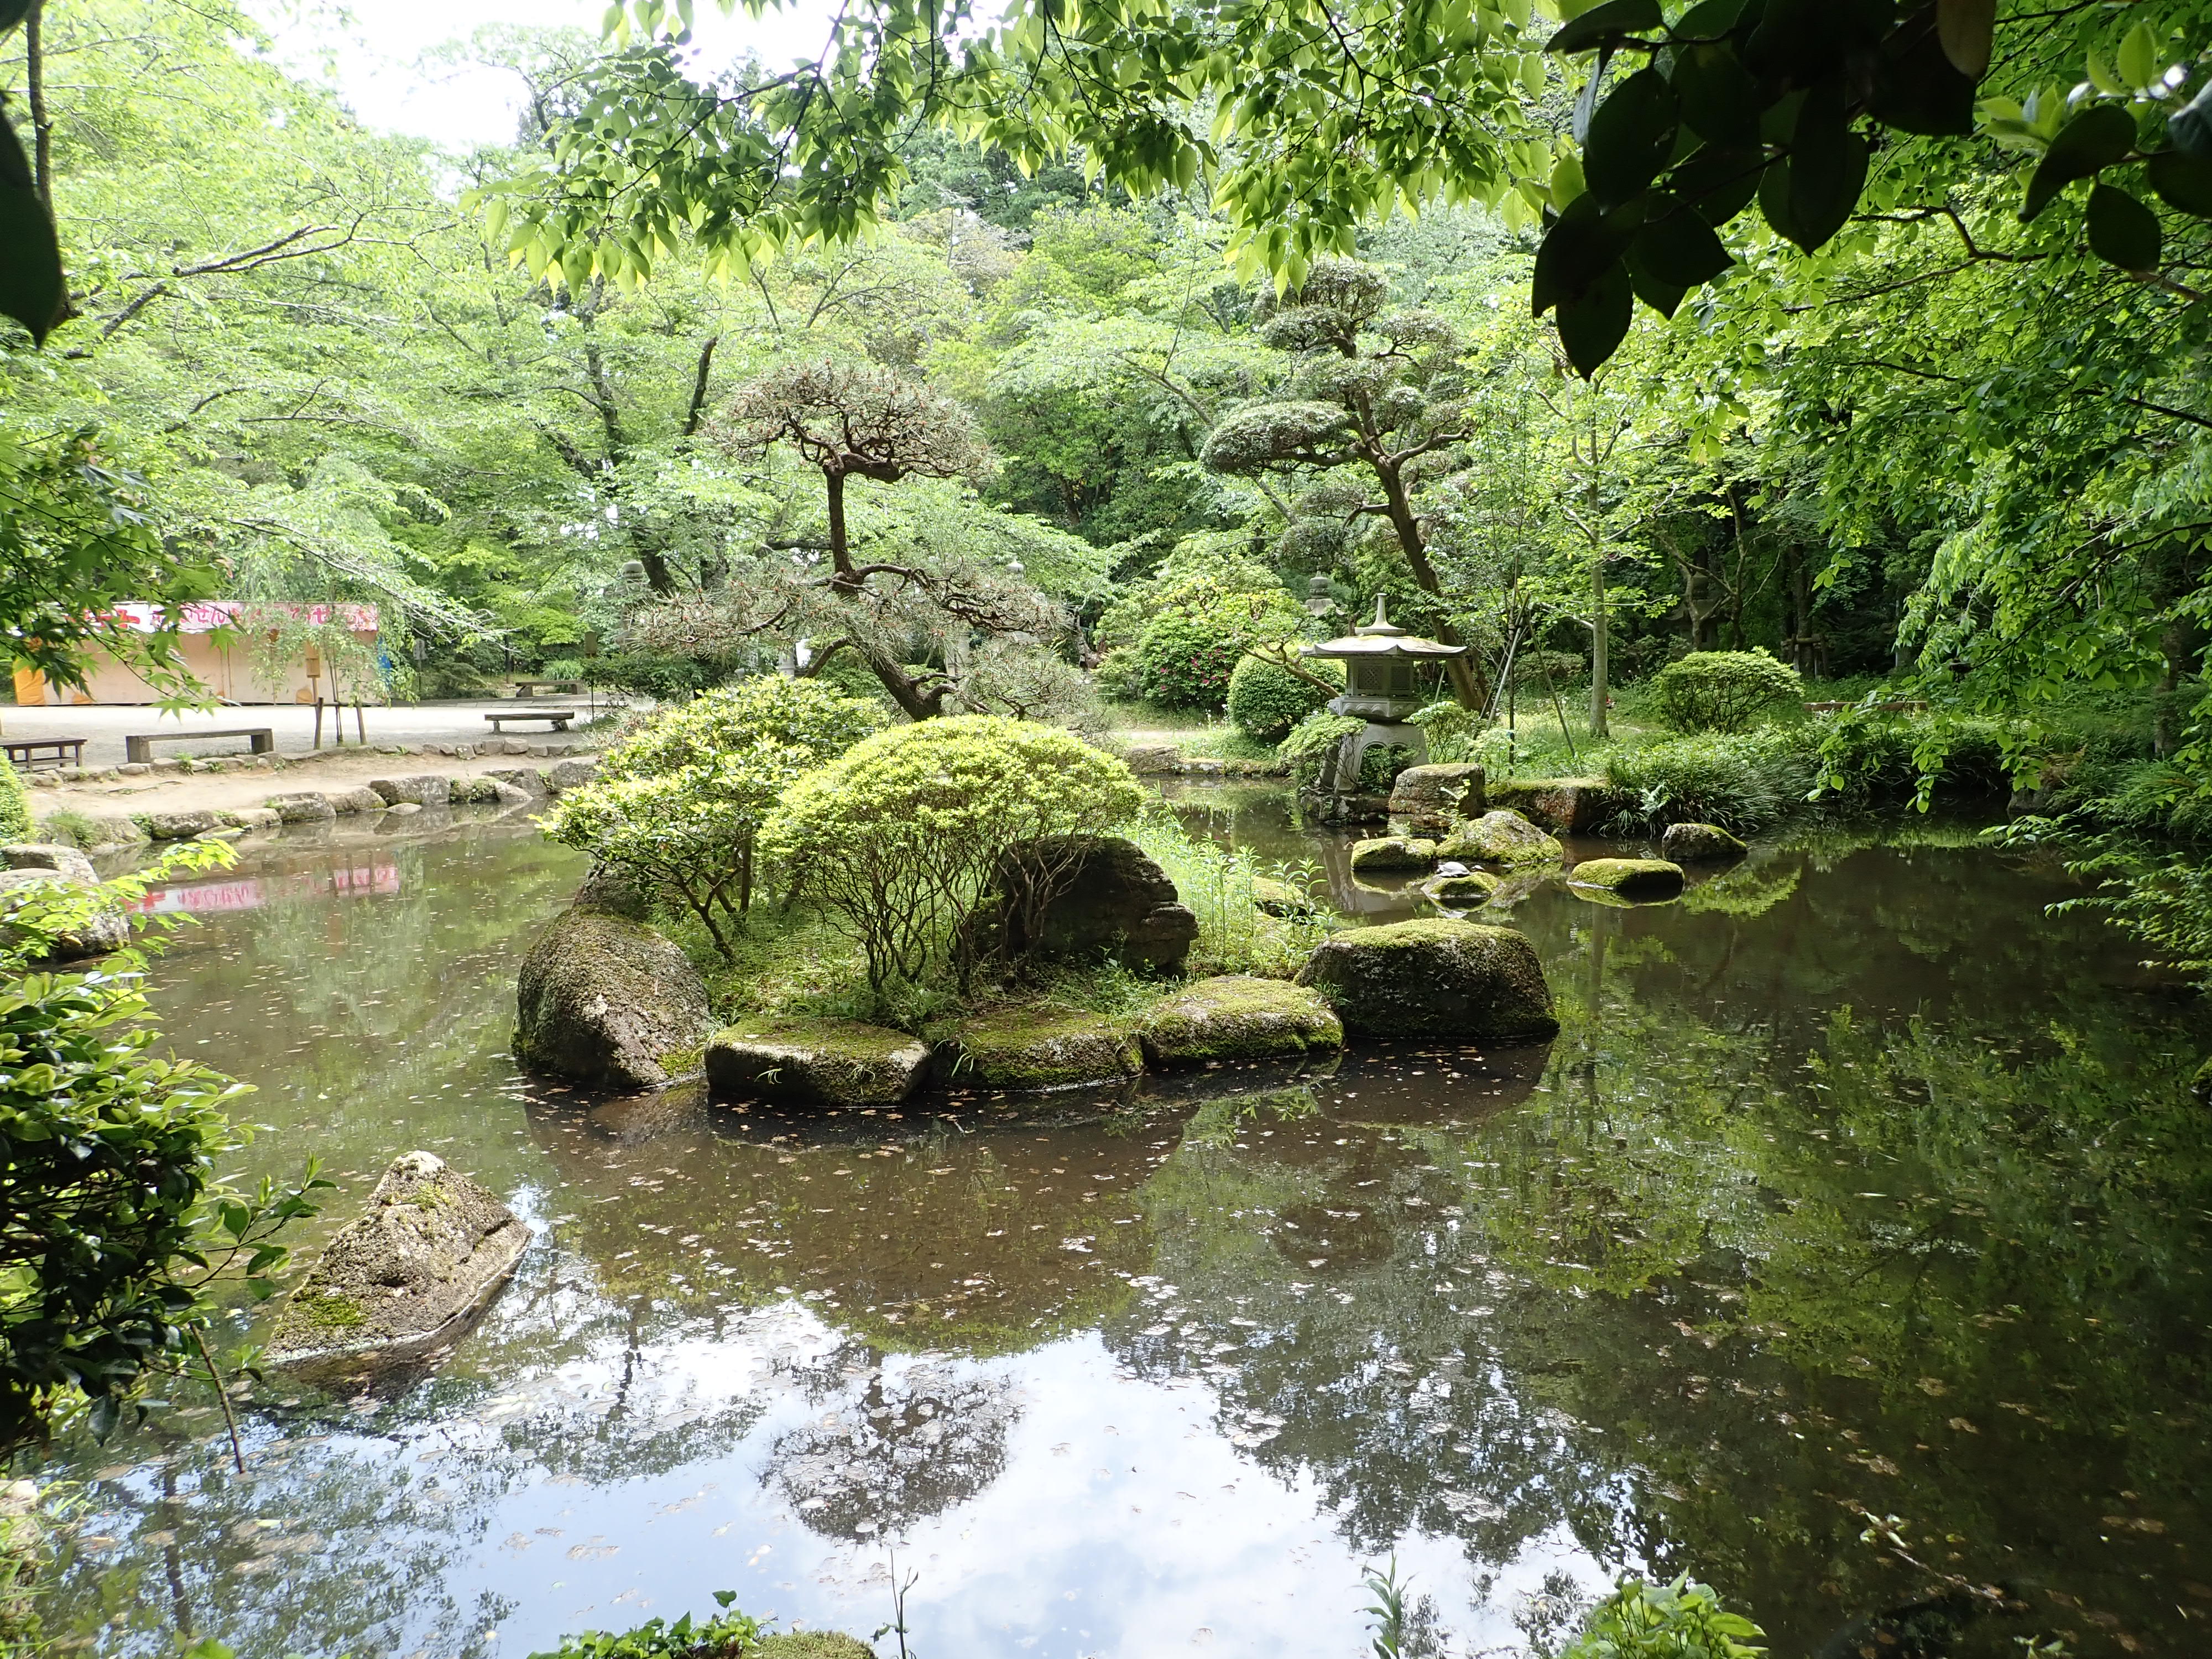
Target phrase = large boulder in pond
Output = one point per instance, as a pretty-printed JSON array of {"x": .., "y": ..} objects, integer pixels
[
  {"x": 1435, "y": 981},
  {"x": 816, "y": 1063},
  {"x": 1382, "y": 856},
  {"x": 607, "y": 1001},
  {"x": 1238, "y": 1017},
  {"x": 1566, "y": 806},
  {"x": 1027, "y": 1049},
  {"x": 1083, "y": 898},
  {"x": 1500, "y": 837},
  {"x": 407, "y": 1274},
  {"x": 1641, "y": 879},
  {"x": 1427, "y": 800},
  {"x": 1698, "y": 843}
]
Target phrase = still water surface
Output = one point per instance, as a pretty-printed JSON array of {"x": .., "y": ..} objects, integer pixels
[{"x": 1855, "y": 1190}]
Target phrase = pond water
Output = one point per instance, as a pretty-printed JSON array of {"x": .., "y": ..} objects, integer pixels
[{"x": 1847, "y": 1249}]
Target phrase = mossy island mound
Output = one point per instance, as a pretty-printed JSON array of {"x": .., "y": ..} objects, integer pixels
[{"x": 1641, "y": 880}]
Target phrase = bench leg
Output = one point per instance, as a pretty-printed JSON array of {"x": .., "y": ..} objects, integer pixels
[
  {"x": 136, "y": 749},
  {"x": 264, "y": 742}
]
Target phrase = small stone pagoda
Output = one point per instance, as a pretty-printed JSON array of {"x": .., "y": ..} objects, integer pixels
[{"x": 1387, "y": 679}]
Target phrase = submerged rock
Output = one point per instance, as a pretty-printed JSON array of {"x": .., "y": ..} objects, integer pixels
[
  {"x": 1427, "y": 800},
  {"x": 1437, "y": 980},
  {"x": 1459, "y": 887},
  {"x": 608, "y": 1001},
  {"x": 1698, "y": 843},
  {"x": 1238, "y": 1017},
  {"x": 1385, "y": 854},
  {"x": 1501, "y": 837},
  {"x": 1630, "y": 878},
  {"x": 1106, "y": 899},
  {"x": 1037, "y": 1048},
  {"x": 816, "y": 1062},
  {"x": 431, "y": 1248}
]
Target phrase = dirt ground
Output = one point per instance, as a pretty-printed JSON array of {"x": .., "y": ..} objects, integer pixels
[{"x": 187, "y": 792}]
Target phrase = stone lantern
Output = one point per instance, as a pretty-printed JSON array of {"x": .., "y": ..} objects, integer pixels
[{"x": 1388, "y": 677}]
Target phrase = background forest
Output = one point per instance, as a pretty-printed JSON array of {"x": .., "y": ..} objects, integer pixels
[{"x": 1950, "y": 454}]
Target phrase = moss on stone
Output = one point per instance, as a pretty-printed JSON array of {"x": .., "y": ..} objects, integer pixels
[
  {"x": 602, "y": 999},
  {"x": 1643, "y": 879},
  {"x": 816, "y": 1062},
  {"x": 1500, "y": 837},
  {"x": 1236, "y": 1017},
  {"x": 1388, "y": 853},
  {"x": 1462, "y": 891},
  {"x": 814, "y": 1644},
  {"x": 1435, "y": 979},
  {"x": 1019, "y": 1048},
  {"x": 328, "y": 1310}
]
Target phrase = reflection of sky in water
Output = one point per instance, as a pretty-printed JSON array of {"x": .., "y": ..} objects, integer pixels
[{"x": 1703, "y": 1284}]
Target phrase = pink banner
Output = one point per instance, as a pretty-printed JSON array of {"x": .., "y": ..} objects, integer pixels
[
  {"x": 378, "y": 880},
  {"x": 205, "y": 616}
]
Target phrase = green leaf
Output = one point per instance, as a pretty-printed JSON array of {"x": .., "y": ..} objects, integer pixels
[
  {"x": 2099, "y": 136},
  {"x": 2102, "y": 78},
  {"x": 1576, "y": 251},
  {"x": 1808, "y": 194},
  {"x": 1963, "y": 28},
  {"x": 1719, "y": 101},
  {"x": 13, "y": 12},
  {"x": 1662, "y": 297},
  {"x": 1593, "y": 324},
  {"x": 1631, "y": 135},
  {"x": 1678, "y": 250},
  {"x": 1918, "y": 88},
  {"x": 1708, "y": 18},
  {"x": 2123, "y": 232},
  {"x": 1601, "y": 23},
  {"x": 33, "y": 288},
  {"x": 1718, "y": 183},
  {"x": 2138, "y": 56},
  {"x": 2183, "y": 181}
]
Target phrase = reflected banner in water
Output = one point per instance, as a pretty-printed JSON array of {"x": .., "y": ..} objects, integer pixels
[{"x": 379, "y": 879}]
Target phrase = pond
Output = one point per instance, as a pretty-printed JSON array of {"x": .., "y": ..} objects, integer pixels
[{"x": 1847, "y": 1249}]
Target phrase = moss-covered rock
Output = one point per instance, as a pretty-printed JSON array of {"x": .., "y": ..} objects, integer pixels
[
  {"x": 1238, "y": 1017},
  {"x": 1102, "y": 896},
  {"x": 1385, "y": 854},
  {"x": 813, "y": 1644},
  {"x": 1640, "y": 879},
  {"x": 608, "y": 1001},
  {"x": 1280, "y": 898},
  {"x": 1460, "y": 889},
  {"x": 816, "y": 1063},
  {"x": 1428, "y": 801},
  {"x": 1567, "y": 807},
  {"x": 1437, "y": 980},
  {"x": 1500, "y": 837},
  {"x": 177, "y": 826},
  {"x": 1037, "y": 1048},
  {"x": 1700, "y": 843},
  {"x": 429, "y": 1252}
]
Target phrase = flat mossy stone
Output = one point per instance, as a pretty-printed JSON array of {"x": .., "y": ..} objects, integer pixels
[
  {"x": 1700, "y": 843},
  {"x": 1465, "y": 889},
  {"x": 1500, "y": 837},
  {"x": 1435, "y": 979},
  {"x": 1037, "y": 1048},
  {"x": 813, "y": 1645},
  {"x": 1239, "y": 1017},
  {"x": 1388, "y": 853},
  {"x": 1639, "y": 879},
  {"x": 816, "y": 1063}
]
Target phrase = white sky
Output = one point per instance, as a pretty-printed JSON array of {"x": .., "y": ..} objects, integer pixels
[{"x": 372, "y": 54}]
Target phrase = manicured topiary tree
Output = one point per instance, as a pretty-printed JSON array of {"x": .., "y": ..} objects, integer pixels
[
  {"x": 903, "y": 836},
  {"x": 1266, "y": 698},
  {"x": 1725, "y": 690},
  {"x": 680, "y": 804}
]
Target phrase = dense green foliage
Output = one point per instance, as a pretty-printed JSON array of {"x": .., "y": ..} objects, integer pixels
[
  {"x": 1265, "y": 699},
  {"x": 1198, "y": 634},
  {"x": 1682, "y": 1620},
  {"x": 1725, "y": 690},
  {"x": 903, "y": 836}
]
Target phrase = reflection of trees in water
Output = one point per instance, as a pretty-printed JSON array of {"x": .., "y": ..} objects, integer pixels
[
  {"x": 1744, "y": 1266},
  {"x": 897, "y": 1449}
]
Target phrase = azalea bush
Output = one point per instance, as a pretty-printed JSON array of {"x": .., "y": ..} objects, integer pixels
[
  {"x": 1191, "y": 646},
  {"x": 1726, "y": 690},
  {"x": 678, "y": 804},
  {"x": 901, "y": 838}
]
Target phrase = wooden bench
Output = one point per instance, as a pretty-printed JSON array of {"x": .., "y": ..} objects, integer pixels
[
  {"x": 141, "y": 748},
  {"x": 27, "y": 754},
  {"x": 558, "y": 718}
]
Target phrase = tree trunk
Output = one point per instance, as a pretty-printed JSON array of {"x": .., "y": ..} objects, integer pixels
[
  {"x": 1601, "y": 653},
  {"x": 42, "y": 121},
  {"x": 840, "y": 559},
  {"x": 1468, "y": 688}
]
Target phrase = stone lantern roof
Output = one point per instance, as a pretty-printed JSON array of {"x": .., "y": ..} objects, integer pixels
[{"x": 1382, "y": 664}]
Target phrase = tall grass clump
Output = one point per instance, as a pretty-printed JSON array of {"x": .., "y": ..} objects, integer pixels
[
  {"x": 1741, "y": 781},
  {"x": 1226, "y": 888}
]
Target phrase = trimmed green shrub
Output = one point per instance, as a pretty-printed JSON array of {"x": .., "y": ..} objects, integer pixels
[
  {"x": 680, "y": 802},
  {"x": 901, "y": 836},
  {"x": 1725, "y": 690},
  {"x": 1267, "y": 700},
  {"x": 1190, "y": 647},
  {"x": 1682, "y": 1620},
  {"x": 15, "y": 805}
]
